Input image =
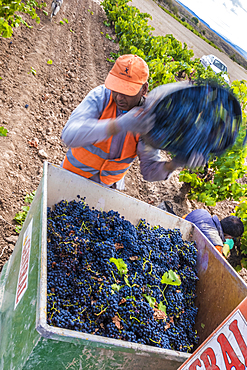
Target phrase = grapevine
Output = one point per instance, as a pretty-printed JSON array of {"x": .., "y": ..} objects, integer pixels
[
  {"x": 241, "y": 211},
  {"x": 109, "y": 278},
  {"x": 10, "y": 14}
]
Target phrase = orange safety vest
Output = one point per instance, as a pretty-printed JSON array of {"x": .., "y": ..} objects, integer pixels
[{"x": 92, "y": 159}]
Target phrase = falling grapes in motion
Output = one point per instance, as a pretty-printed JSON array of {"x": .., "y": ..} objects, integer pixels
[{"x": 109, "y": 278}]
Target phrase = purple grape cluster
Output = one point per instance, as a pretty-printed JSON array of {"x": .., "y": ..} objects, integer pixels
[{"x": 109, "y": 278}]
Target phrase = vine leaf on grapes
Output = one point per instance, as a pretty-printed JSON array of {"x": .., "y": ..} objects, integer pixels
[
  {"x": 159, "y": 315},
  {"x": 116, "y": 287},
  {"x": 120, "y": 264},
  {"x": 151, "y": 300},
  {"x": 170, "y": 278},
  {"x": 162, "y": 307}
]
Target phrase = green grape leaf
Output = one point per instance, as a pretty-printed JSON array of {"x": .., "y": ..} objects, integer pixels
[
  {"x": 120, "y": 264},
  {"x": 25, "y": 208},
  {"x": 210, "y": 202},
  {"x": 116, "y": 287},
  {"x": 29, "y": 197},
  {"x": 151, "y": 300},
  {"x": 162, "y": 307},
  {"x": 238, "y": 268},
  {"x": 170, "y": 278},
  {"x": 18, "y": 229},
  {"x": 3, "y": 131}
]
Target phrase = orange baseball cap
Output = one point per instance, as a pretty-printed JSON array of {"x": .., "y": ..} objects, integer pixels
[{"x": 127, "y": 75}]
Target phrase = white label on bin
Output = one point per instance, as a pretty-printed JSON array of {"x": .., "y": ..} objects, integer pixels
[
  {"x": 227, "y": 349},
  {"x": 24, "y": 266}
]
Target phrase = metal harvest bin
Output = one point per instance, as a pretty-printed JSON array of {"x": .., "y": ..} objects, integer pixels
[{"x": 27, "y": 342}]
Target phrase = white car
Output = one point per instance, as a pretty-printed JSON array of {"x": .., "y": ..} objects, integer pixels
[{"x": 216, "y": 64}]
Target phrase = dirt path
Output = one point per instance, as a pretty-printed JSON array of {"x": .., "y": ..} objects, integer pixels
[
  {"x": 35, "y": 108},
  {"x": 164, "y": 24}
]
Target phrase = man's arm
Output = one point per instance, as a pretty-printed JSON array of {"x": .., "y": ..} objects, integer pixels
[
  {"x": 84, "y": 127},
  {"x": 152, "y": 168}
]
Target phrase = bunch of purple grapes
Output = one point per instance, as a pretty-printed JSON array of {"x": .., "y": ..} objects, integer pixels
[{"x": 106, "y": 277}]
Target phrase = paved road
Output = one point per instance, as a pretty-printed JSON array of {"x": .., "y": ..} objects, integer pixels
[{"x": 165, "y": 24}]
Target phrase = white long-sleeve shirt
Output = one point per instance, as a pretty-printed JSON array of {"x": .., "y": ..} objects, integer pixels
[{"x": 84, "y": 128}]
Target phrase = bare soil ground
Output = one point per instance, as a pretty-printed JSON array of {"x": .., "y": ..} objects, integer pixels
[{"x": 35, "y": 108}]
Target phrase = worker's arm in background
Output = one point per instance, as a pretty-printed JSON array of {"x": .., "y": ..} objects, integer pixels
[{"x": 84, "y": 127}]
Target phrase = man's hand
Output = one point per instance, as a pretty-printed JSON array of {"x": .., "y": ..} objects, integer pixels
[
  {"x": 195, "y": 160},
  {"x": 173, "y": 165},
  {"x": 136, "y": 120}
]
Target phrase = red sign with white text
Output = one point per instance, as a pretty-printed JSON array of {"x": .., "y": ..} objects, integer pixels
[
  {"x": 24, "y": 266},
  {"x": 226, "y": 347}
]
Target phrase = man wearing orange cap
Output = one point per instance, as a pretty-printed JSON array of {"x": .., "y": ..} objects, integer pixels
[{"x": 104, "y": 132}]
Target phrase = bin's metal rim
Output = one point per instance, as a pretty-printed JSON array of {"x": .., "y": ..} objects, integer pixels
[{"x": 66, "y": 335}]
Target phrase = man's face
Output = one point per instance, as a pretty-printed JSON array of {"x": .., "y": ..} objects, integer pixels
[{"x": 126, "y": 102}]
